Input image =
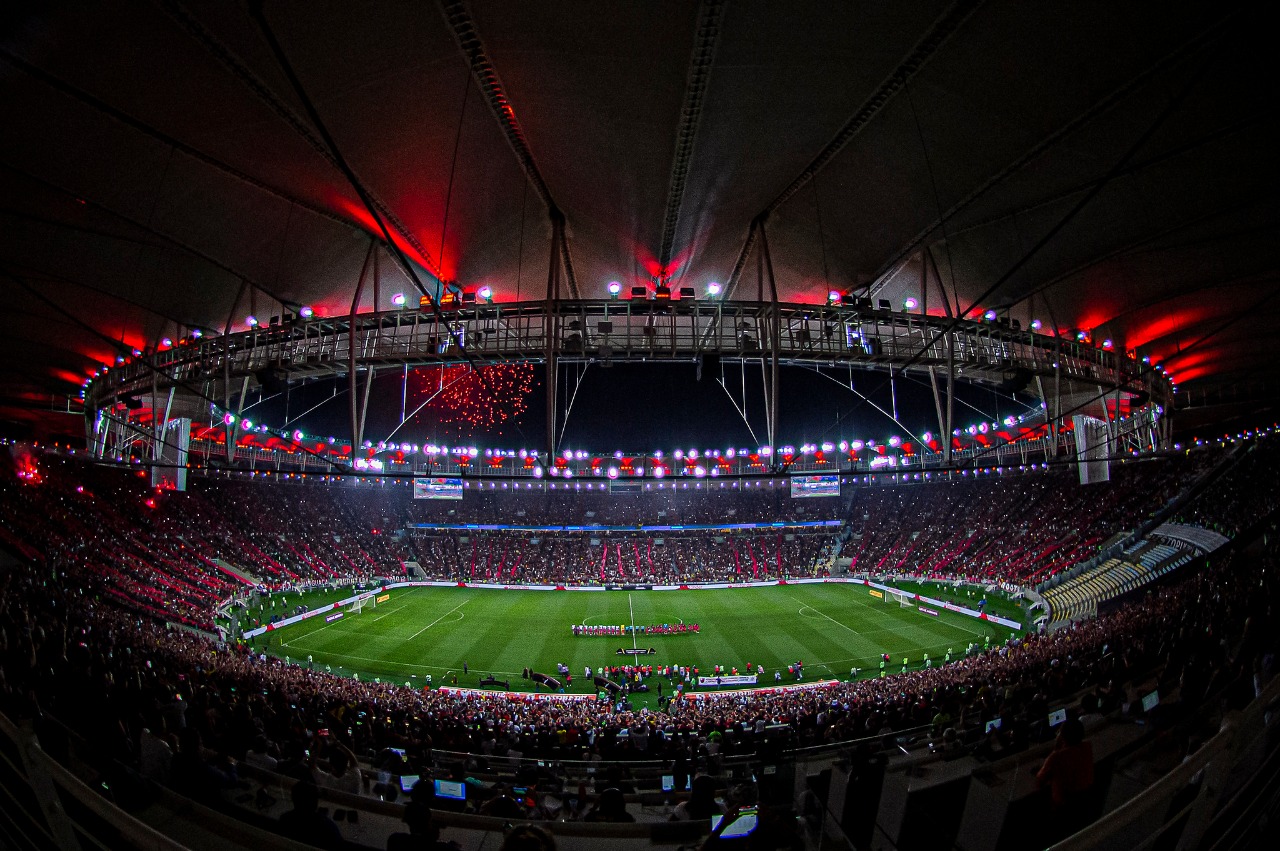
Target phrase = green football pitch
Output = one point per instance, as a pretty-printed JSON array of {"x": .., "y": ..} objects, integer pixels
[{"x": 433, "y": 631}]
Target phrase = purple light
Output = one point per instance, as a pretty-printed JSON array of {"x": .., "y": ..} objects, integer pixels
[
  {"x": 614, "y": 288},
  {"x": 910, "y": 303},
  {"x": 485, "y": 292},
  {"x": 306, "y": 312},
  {"x": 990, "y": 316},
  {"x": 251, "y": 321},
  {"x": 713, "y": 288},
  {"x": 398, "y": 299},
  {"x": 834, "y": 295},
  {"x": 1036, "y": 324}
]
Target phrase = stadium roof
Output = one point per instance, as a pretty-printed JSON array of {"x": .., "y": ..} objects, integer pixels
[{"x": 1101, "y": 166}]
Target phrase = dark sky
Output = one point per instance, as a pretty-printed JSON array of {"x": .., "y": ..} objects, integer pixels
[{"x": 641, "y": 407}]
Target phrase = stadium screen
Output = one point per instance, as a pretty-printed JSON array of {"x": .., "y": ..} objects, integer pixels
[
  {"x": 437, "y": 487},
  {"x": 807, "y": 486}
]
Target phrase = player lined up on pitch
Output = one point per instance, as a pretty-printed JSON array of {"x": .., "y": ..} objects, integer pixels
[{"x": 628, "y": 629}]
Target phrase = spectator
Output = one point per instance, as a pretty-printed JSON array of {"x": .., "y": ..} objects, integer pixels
[
  {"x": 305, "y": 822},
  {"x": 611, "y": 806},
  {"x": 1068, "y": 775},
  {"x": 701, "y": 803}
]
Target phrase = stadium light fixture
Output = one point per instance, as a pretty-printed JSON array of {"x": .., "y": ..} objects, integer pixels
[
  {"x": 306, "y": 312},
  {"x": 713, "y": 289},
  {"x": 485, "y": 293},
  {"x": 251, "y": 321},
  {"x": 990, "y": 316},
  {"x": 834, "y": 296},
  {"x": 1036, "y": 324},
  {"x": 910, "y": 303},
  {"x": 166, "y": 342},
  {"x": 398, "y": 299},
  {"x": 615, "y": 289}
]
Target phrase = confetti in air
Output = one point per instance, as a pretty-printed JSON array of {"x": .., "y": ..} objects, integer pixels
[{"x": 468, "y": 400}]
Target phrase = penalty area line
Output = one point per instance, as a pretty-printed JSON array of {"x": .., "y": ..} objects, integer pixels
[
  {"x": 385, "y": 614},
  {"x": 804, "y": 605},
  {"x": 437, "y": 620}
]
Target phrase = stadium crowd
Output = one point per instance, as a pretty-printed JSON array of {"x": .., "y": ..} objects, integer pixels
[
  {"x": 67, "y": 647},
  {"x": 109, "y": 673},
  {"x": 175, "y": 555}
]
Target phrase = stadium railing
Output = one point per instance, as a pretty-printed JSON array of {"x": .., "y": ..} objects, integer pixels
[{"x": 1208, "y": 795}]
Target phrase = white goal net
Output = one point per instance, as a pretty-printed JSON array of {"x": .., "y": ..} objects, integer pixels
[
  {"x": 903, "y": 600},
  {"x": 369, "y": 602}
]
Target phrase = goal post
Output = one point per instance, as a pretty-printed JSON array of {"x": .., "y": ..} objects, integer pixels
[
  {"x": 904, "y": 600},
  {"x": 369, "y": 601}
]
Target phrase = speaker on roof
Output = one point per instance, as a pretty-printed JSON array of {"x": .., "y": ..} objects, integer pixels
[
  {"x": 1015, "y": 380},
  {"x": 272, "y": 382},
  {"x": 709, "y": 367}
]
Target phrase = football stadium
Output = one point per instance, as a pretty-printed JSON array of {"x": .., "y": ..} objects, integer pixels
[{"x": 685, "y": 425}]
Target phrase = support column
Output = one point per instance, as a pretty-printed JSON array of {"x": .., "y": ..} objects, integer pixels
[
  {"x": 160, "y": 425},
  {"x": 357, "y": 421},
  {"x": 951, "y": 396},
  {"x": 364, "y": 408},
  {"x": 231, "y": 427},
  {"x": 944, "y": 438},
  {"x": 775, "y": 337},
  {"x": 551, "y": 329}
]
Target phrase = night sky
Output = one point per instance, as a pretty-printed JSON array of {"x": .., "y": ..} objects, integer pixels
[{"x": 641, "y": 407}]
